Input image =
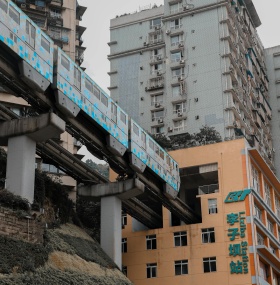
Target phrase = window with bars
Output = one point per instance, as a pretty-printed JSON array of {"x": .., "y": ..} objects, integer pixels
[
  {"x": 151, "y": 242},
  {"x": 208, "y": 235},
  {"x": 267, "y": 197},
  {"x": 151, "y": 270},
  {"x": 175, "y": 24},
  {"x": 124, "y": 245},
  {"x": 180, "y": 238},
  {"x": 258, "y": 212},
  {"x": 209, "y": 264},
  {"x": 277, "y": 205},
  {"x": 212, "y": 206},
  {"x": 256, "y": 179},
  {"x": 270, "y": 226},
  {"x": 181, "y": 267}
]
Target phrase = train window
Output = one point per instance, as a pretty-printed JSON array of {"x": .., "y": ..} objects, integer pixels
[
  {"x": 114, "y": 112},
  {"x": 161, "y": 154},
  {"x": 123, "y": 117},
  {"x": 4, "y": 5},
  {"x": 156, "y": 149},
  {"x": 143, "y": 138},
  {"x": 65, "y": 62},
  {"x": 96, "y": 92},
  {"x": 89, "y": 85},
  {"x": 13, "y": 37},
  {"x": 84, "y": 99},
  {"x": 30, "y": 34},
  {"x": 135, "y": 130},
  {"x": 14, "y": 14},
  {"x": 151, "y": 144},
  {"x": 168, "y": 160},
  {"x": 45, "y": 44},
  {"x": 77, "y": 77},
  {"x": 104, "y": 99}
]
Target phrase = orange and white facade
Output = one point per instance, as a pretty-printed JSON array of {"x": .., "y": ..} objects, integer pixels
[{"x": 237, "y": 242}]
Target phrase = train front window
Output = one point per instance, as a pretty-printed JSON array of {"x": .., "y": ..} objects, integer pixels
[
  {"x": 14, "y": 14},
  {"x": 45, "y": 43},
  {"x": 4, "y": 5},
  {"x": 77, "y": 78},
  {"x": 65, "y": 62}
]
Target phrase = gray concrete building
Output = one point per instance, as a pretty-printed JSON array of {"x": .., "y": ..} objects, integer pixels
[
  {"x": 185, "y": 64},
  {"x": 272, "y": 59}
]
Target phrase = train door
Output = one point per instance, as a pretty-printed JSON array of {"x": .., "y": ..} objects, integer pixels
[
  {"x": 30, "y": 34},
  {"x": 114, "y": 112}
]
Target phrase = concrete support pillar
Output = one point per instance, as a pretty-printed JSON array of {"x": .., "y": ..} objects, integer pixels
[
  {"x": 20, "y": 174},
  {"x": 21, "y": 136},
  {"x": 111, "y": 195},
  {"x": 111, "y": 228}
]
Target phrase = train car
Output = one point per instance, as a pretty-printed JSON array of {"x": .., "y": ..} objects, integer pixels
[
  {"x": 76, "y": 91},
  {"x": 34, "y": 48},
  {"x": 146, "y": 152}
]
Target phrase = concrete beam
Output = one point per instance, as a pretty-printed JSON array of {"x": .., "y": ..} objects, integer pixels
[
  {"x": 39, "y": 128},
  {"x": 124, "y": 190}
]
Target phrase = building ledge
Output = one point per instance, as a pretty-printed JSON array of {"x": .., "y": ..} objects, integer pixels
[{"x": 266, "y": 252}]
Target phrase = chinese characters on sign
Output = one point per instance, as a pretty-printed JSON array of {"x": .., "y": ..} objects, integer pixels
[{"x": 237, "y": 230}]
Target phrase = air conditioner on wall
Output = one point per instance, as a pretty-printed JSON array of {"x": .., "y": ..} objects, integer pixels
[
  {"x": 157, "y": 105},
  {"x": 170, "y": 129},
  {"x": 182, "y": 61},
  {"x": 167, "y": 32},
  {"x": 179, "y": 114},
  {"x": 160, "y": 121},
  {"x": 22, "y": 5}
]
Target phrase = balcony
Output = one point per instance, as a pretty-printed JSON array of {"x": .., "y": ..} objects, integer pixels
[
  {"x": 208, "y": 189},
  {"x": 80, "y": 12},
  {"x": 58, "y": 37},
  {"x": 27, "y": 7},
  {"x": 55, "y": 20},
  {"x": 56, "y": 3}
]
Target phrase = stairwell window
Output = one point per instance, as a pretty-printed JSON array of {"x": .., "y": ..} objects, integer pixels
[
  {"x": 212, "y": 206},
  {"x": 208, "y": 235},
  {"x": 151, "y": 270},
  {"x": 209, "y": 264},
  {"x": 151, "y": 242}
]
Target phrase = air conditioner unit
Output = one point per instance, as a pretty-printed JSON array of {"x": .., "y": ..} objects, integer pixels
[
  {"x": 170, "y": 129},
  {"x": 158, "y": 73},
  {"x": 181, "y": 45},
  {"x": 197, "y": 117},
  {"x": 159, "y": 57},
  {"x": 196, "y": 99},
  {"x": 182, "y": 61},
  {"x": 145, "y": 44},
  {"x": 186, "y": 7},
  {"x": 167, "y": 32},
  {"x": 22, "y": 5},
  {"x": 160, "y": 121},
  {"x": 157, "y": 105},
  {"x": 157, "y": 27},
  {"x": 179, "y": 114}
]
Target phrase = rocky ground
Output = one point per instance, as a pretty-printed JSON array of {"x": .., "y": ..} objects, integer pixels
[{"x": 67, "y": 256}]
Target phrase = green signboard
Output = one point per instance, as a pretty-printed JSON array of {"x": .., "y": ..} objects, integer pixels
[{"x": 237, "y": 196}]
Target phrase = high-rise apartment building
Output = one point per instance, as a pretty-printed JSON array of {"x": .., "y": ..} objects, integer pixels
[
  {"x": 272, "y": 59},
  {"x": 238, "y": 240},
  {"x": 185, "y": 64},
  {"x": 60, "y": 20}
]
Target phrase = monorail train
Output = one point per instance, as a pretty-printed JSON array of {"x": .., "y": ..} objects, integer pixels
[{"x": 42, "y": 64}]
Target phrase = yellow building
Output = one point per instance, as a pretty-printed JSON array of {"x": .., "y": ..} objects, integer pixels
[{"x": 237, "y": 241}]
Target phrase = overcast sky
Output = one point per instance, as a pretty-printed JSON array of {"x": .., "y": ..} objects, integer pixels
[{"x": 97, "y": 21}]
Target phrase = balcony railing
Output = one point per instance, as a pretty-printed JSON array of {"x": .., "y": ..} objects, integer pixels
[{"x": 208, "y": 189}]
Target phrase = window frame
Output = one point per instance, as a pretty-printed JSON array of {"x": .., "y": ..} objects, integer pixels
[
  {"x": 179, "y": 236},
  {"x": 208, "y": 235},
  {"x": 151, "y": 270},
  {"x": 151, "y": 242},
  {"x": 210, "y": 207},
  {"x": 124, "y": 245},
  {"x": 210, "y": 261},
  {"x": 182, "y": 265}
]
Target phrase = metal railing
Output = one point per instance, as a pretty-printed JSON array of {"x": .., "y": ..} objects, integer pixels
[{"x": 208, "y": 189}]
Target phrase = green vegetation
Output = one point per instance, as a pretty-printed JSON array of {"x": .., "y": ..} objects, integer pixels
[
  {"x": 206, "y": 135},
  {"x": 101, "y": 168}
]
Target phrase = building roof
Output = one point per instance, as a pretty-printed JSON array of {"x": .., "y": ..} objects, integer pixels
[{"x": 253, "y": 13}]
